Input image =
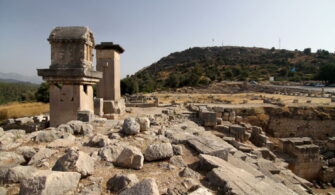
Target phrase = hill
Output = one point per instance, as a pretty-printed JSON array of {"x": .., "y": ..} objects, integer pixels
[
  {"x": 14, "y": 77},
  {"x": 203, "y": 65}
]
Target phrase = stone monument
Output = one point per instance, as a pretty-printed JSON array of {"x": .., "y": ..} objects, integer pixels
[
  {"x": 108, "y": 62},
  {"x": 71, "y": 74}
]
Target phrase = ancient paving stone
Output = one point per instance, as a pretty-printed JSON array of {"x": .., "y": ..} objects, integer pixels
[
  {"x": 99, "y": 140},
  {"x": 146, "y": 186},
  {"x": 110, "y": 153},
  {"x": 210, "y": 162},
  {"x": 45, "y": 182},
  {"x": 130, "y": 157},
  {"x": 144, "y": 123},
  {"x": 268, "y": 166},
  {"x": 237, "y": 181},
  {"x": 75, "y": 161},
  {"x": 43, "y": 153},
  {"x": 121, "y": 182},
  {"x": 130, "y": 126},
  {"x": 266, "y": 153},
  {"x": 207, "y": 143},
  {"x": 223, "y": 154},
  {"x": 158, "y": 151},
  {"x": 10, "y": 159}
]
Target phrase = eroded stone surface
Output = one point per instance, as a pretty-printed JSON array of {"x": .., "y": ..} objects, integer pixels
[
  {"x": 121, "y": 182},
  {"x": 130, "y": 126},
  {"x": 75, "y": 161},
  {"x": 50, "y": 182},
  {"x": 130, "y": 157},
  {"x": 146, "y": 186},
  {"x": 158, "y": 151}
]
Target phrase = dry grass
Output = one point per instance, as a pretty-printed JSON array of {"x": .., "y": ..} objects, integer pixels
[
  {"x": 235, "y": 98},
  {"x": 17, "y": 109}
]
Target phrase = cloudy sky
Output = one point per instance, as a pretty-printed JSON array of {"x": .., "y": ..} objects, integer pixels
[{"x": 152, "y": 29}]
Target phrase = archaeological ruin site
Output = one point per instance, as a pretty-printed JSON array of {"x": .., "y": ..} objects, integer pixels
[{"x": 234, "y": 138}]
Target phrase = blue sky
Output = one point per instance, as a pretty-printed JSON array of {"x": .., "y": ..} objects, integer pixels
[{"x": 152, "y": 29}]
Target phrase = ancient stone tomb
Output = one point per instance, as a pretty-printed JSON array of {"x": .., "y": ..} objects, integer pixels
[
  {"x": 71, "y": 74},
  {"x": 108, "y": 62}
]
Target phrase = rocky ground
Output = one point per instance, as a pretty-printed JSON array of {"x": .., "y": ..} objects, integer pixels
[{"x": 150, "y": 151}]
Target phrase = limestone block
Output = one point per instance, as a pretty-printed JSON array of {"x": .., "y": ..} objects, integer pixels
[
  {"x": 18, "y": 173},
  {"x": 208, "y": 118},
  {"x": 46, "y": 136},
  {"x": 26, "y": 151},
  {"x": 45, "y": 182},
  {"x": 85, "y": 116},
  {"x": 232, "y": 116},
  {"x": 130, "y": 126},
  {"x": 110, "y": 153},
  {"x": 99, "y": 140},
  {"x": 146, "y": 186},
  {"x": 144, "y": 123},
  {"x": 99, "y": 106},
  {"x": 238, "y": 119},
  {"x": 130, "y": 157},
  {"x": 114, "y": 106},
  {"x": 10, "y": 159},
  {"x": 120, "y": 182},
  {"x": 43, "y": 153},
  {"x": 75, "y": 161},
  {"x": 158, "y": 151}
]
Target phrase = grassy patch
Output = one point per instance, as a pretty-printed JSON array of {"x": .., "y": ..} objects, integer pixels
[{"x": 17, "y": 109}]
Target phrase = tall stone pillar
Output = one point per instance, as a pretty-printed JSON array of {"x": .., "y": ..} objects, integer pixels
[
  {"x": 71, "y": 74},
  {"x": 108, "y": 62}
]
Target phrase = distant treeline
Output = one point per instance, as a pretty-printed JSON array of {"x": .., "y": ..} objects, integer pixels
[{"x": 21, "y": 91}]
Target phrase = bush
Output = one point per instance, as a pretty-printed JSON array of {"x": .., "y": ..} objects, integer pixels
[
  {"x": 42, "y": 93},
  {"x": 327, "y": 73},
  {"x": 307, "y": 51}
]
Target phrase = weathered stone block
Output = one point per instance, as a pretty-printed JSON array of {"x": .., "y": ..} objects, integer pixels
[
  {"x": 98, "y": 106},
  {"x": 85, "y": 116}
]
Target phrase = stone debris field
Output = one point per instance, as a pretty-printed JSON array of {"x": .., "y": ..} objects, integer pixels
[{"x": 258, "y": 140}]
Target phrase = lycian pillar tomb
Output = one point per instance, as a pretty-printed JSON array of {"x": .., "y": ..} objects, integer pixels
[
  {"x": 71, "y": 74},
  {"x": 108, "y": 62}
]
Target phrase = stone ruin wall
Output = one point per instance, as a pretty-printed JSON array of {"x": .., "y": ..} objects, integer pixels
[
  {"x": 288, "y": 127},
  {"x": 317, "y": 123}
]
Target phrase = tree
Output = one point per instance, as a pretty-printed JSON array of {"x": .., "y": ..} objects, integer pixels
[
  {"x": 173, "y": 80},
  {"x": 236, "y": 71},
  {"x": 228, "y": 74},
  {"x": 129, "y": 85},
  {"x": 307, "y": 51},
  {"x": 42, "y": 93},
  {"x": 326, "y": 73}
]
